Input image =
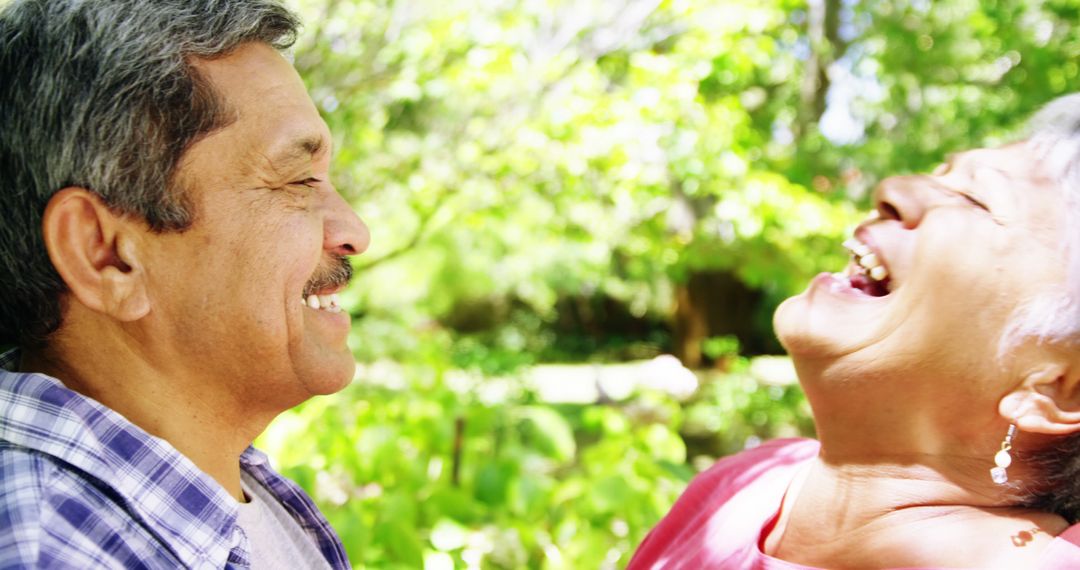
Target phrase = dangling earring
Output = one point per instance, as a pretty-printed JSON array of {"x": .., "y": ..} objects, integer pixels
[{"x": 1002, "y": 458}]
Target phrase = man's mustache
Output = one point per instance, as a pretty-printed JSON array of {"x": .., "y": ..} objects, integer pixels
[{"x": 336, "y": 275}]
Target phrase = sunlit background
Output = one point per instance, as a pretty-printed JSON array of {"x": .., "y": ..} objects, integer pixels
[{"x": 583, "y": 214}]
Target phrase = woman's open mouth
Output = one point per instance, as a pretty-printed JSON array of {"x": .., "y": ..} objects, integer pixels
[{"x": 866, "y": 272}]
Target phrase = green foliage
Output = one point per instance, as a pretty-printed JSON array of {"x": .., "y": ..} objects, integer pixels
[
  {"x": 740, "y": 408},
  {"x": 522, "y": 163},
  {"x": 511, "y": 153},
  {"x": 435, "y": 467},
  {"x": 719, "y": 347},
  {"x": 529, "y": 151}
]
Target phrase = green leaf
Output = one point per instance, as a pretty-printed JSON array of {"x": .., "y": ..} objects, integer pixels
[
  {"x": 549, "y": 431},
  {"x": 493, "y": 480},
  {"x": 448, "y": 535},
  {"x": 401, "y": 543}
]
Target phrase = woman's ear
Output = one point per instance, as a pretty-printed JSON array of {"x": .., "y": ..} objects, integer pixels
[
  {"x": 95, "y": 251},
  {"x": 1048, "y": 400}
]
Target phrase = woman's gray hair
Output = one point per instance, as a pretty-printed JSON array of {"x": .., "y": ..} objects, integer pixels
[
  {"x": 1054, "y": 133},
  {"x": 1055, "y": 317},
  {"x": 102, "y": 94}
]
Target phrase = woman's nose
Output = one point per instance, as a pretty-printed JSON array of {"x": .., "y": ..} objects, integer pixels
[{"x": 907, "y": 199}]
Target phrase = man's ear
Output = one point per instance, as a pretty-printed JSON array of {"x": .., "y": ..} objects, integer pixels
[
  {"x": 1048, "y": 400},
  {"x": 95, "y": 251}
]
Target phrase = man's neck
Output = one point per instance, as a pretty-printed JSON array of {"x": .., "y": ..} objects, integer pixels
[
  {"x": 205, "y": 426},
  {"x": 903, "y": 515}
]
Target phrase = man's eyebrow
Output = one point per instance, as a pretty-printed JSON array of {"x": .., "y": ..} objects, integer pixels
[{"x": 298, "y": 150}]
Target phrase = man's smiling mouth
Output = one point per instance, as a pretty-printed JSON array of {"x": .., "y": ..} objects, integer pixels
[
  {"x": 330, "y": 303},
  {"x": 321, "y": 293}
]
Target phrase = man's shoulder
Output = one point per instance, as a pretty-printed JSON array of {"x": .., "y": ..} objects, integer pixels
[
  {"x": 53, "y": 514},
  {"x": 31, "y": 472}
]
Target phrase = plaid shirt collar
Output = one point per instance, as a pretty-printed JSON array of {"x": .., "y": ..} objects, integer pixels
[{"x": 191, "y": 513}]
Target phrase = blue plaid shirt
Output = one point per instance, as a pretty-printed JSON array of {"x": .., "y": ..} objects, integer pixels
[{"x": 82, "y": 487}]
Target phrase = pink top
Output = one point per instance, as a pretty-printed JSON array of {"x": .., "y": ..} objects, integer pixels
[{"x": 725, "y": 513}]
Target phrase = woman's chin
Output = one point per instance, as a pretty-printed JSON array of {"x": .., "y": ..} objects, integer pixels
[
  {"x": 809, "y": 327},
  {"x": 796, "y": 328}
]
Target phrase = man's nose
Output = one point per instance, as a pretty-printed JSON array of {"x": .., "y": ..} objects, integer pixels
[{"x": 344, "y": 232}]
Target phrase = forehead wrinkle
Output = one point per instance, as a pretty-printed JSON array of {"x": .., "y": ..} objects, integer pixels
[{"x": 297, "y": 152}]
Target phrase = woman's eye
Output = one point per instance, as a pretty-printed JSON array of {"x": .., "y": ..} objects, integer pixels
[
  {"x": 975, "y": 201},
  {"x": 309, "y": 182}
]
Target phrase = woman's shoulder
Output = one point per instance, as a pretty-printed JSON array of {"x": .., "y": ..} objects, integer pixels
[
  {"x": 764, "y": 469},
  {"x": 720, "y": 515},
  {"x": 773, "y": 453},
  {"x": 1064, "y": 550},
  {"x": 767, "y": 458}
]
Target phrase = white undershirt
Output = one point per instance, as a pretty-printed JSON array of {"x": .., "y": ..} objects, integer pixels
[{"x": 276, "y": 539}]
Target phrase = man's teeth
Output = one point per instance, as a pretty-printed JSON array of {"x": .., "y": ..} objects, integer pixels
[{"x": 330, "y": 303}]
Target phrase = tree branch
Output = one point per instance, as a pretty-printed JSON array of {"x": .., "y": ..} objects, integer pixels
[
  {"x": 823, "y": 35},
  {"x": 421, "y": 232}
]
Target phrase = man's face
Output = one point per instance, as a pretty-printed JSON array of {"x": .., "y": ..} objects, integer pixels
[
  {"x": 964, "y": 247},
  {"x": 229, "y": 294}
]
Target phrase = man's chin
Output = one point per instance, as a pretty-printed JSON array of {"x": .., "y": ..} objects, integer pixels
[{"x": 332, "y": 375}]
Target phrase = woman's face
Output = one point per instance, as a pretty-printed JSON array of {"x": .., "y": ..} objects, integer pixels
[{"x": 963, "y": 247}]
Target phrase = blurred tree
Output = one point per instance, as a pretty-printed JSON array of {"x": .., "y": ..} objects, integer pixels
[
  {"x": 516, "y": 152},
  {"x": 545, "y": 179}
]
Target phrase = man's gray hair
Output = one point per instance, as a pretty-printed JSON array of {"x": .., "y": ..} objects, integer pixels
[{"x": 102, "y": 94}]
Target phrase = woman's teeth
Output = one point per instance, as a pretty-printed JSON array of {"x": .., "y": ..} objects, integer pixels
[
  {"x": 328, "y": 303},
  {"x": 867, "y": 262},
  {"x": 857, "y": 247}
]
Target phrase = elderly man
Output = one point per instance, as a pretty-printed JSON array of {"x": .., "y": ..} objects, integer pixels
[{"x": 171, "y": 252}]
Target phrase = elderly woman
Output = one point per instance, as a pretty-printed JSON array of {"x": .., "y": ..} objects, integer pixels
[{"x": 943, "y": 369}]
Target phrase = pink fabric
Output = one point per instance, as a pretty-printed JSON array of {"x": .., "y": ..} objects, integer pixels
[{"x": 720, "y": 520}]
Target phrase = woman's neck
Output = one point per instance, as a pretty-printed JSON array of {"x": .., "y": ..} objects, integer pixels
[{"x": 902, "y": 514}]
